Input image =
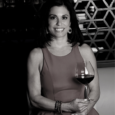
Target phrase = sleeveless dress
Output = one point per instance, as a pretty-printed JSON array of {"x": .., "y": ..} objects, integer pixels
[{"x": 58, "y": 80}]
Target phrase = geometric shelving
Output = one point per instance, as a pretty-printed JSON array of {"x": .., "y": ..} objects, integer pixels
[{"x": 97, "y": 22}]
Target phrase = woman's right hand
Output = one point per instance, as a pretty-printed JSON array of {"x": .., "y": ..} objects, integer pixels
[{"x": 79, "y": 105}]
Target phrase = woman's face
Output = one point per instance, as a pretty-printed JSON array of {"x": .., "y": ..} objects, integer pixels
[{"x": 58, "y": 21}]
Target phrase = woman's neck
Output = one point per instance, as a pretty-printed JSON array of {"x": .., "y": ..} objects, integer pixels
[{"x": 59, "y": 43}]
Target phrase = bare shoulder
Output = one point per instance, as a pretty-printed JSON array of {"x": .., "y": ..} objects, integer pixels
[
  {"x": 86, "y": 52},
  {"x": 35, "y": 55},
  {"x": 85, "y": 49}
]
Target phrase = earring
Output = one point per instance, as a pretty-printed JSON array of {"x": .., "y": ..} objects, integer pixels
[{"x": 70, "y": 31}]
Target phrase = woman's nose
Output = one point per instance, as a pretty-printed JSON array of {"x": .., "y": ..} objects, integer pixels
[{"x": 59, "y": 22}]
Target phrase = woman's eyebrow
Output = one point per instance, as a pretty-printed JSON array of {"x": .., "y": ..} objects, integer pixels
[
  {"x": 52, "y": 14},
  {"x": 56, "y": 15},
  {"x": 65, "y": 15}
]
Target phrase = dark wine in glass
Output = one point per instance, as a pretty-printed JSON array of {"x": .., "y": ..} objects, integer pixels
[{"x": 86, "y": 79}]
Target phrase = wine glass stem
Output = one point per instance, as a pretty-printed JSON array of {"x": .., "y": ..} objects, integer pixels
[
  {"x": 87, "y": 93},
  {"x": 86, "y": 88}
]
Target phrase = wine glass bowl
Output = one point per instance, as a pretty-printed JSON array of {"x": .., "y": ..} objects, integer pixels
[
  {"x": 85, "y": 76},
  {"x": 85, "y": 79}
]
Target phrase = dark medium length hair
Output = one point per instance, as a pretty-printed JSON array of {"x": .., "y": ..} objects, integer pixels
[{"x": 73, "y": 38}]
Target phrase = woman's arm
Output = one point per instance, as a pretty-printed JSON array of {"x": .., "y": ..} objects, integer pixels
[
  {"x": 34, "y": 67},
  {"x": 94, "y": 87}
]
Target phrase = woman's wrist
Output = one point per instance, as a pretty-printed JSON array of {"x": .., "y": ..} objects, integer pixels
[
  {"x": 66, "y": 107},
  {"x": 58, "y": 107}
]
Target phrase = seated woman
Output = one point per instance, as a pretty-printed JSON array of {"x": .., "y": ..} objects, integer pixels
[{"x": 51, "y": 85}]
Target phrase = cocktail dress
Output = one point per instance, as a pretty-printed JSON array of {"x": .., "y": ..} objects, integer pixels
[{"x": 58, "y": 80}]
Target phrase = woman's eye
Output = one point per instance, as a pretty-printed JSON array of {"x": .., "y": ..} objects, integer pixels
[
  {"x": 52, "y": 17},
  {"x": 64, "y": 17}
]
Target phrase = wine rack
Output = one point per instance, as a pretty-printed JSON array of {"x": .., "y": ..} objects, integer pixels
[
  {"x": 97, "y": 23},
  {"x": 96, "y": 20}
]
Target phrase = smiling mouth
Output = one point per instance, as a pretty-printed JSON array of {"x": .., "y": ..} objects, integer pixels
[{"x": 59, "y": 29}]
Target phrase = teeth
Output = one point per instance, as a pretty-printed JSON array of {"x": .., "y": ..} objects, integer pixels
[{"x": 59, "y": 29}]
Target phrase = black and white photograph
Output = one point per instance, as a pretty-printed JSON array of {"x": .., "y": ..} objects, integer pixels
[{"x": 57, "y": 57}]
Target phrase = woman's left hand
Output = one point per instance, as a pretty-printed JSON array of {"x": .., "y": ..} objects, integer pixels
[{"x": 80, "y": 113}]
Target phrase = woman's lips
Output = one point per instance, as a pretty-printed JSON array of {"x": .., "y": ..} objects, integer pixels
[{"x": 59, "y": 29}]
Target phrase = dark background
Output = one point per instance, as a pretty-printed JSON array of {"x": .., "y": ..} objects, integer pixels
[{"x": 18, "y": 36}]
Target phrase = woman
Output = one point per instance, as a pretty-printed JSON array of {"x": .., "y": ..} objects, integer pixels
[{"x": 52, "y": 89}]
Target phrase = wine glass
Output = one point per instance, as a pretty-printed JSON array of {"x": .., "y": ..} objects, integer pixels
[{"x": 85, "y": 76}]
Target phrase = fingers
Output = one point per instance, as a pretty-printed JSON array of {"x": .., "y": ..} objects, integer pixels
[
  {"x": 81, "y": 100},
  {"x": 84, "y": 108},
  {"x": 85, "y": 102},
  {"x": 81, "y": 112},
  {"x": 75, "y": 114},
  {"x": 79, "y": 105}
]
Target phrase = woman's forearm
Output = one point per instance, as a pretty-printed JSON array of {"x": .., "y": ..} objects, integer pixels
[
  {"x": 43, "y": 103},
  {"x": 93, "y": 96},
  {"x": 48, "y": 104}
]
